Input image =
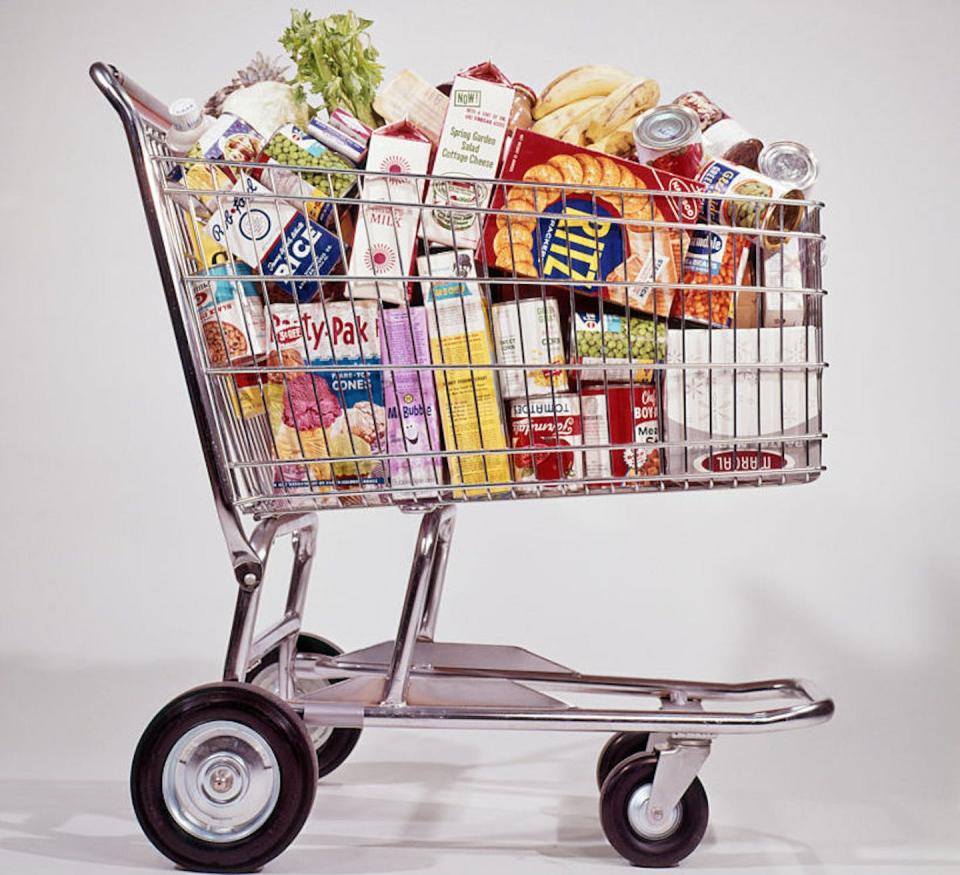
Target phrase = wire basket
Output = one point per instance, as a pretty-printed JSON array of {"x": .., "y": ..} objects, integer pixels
[{"x": 511, "y": 363}]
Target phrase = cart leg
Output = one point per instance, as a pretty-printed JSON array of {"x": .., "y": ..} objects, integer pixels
[
  {"x": 241, "y": 632},
  {"x": 304, "y": 544},
  {"x": 414, "y": 605},
  {"x": 438, "y": 573}
]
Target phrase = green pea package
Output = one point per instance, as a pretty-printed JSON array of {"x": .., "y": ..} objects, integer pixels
[
  {"x": 291, "y": 147},
  {"x": 616, "y": 340}
]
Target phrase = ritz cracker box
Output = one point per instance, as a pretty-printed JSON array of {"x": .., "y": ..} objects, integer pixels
[
  {"x": 386, "y": 237},
  {"x": 471, "y": 141},
  {"x": 468, "y": 397},
  {"x": 413, "y": 426},
  {"x": 336, "y": 409},
  {"x": 590, "y": 236}
]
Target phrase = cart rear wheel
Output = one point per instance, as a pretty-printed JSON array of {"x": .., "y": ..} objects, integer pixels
[
  {"x": 333, "y": 745},
  {"x": 627, "y": 823},
  {"x": 223, "y": 778},
  {"x": 617, "y": 749}
]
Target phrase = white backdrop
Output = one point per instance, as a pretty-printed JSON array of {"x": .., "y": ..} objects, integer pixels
[{"x": 116, "y": 588}]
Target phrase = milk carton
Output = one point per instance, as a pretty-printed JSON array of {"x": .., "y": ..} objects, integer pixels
[{"x": 383, "y": 246}]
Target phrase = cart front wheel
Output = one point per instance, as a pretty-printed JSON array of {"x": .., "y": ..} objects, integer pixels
[
  {"x": 617, "y": 749},
  {"x": 333, "y": 745},
  {"x": 629, "y": 826},
  {"x": 223, "y": 778}
]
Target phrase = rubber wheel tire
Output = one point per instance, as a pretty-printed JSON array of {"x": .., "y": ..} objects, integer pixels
[
  {"x": 615, "y": 795},
  {"x": 617, "y": 749},
  {"x": 284, "y": 733},
  {"x": 341, "y": 741}
]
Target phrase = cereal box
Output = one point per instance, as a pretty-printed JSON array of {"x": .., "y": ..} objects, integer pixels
[
  {"x": 474, "y": 128},
  {"x": 413, "y": 425},
  {"x": 528, "y": 332},
  {"x": 709, "y": 405},
  {"x": 386, "y": 237},
  {"x": 542, "y": 423},
  {"x": 332, "y": 411},
  {"x": 226, "y": 138},
  {"x": 280, "y": 240},
  {"x": 470, "y": 408},
  {"x": 585, "y": 234}
]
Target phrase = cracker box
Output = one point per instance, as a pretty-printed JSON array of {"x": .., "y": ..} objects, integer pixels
[
  {"x": 335, "y": 409},
  {"x": 771, "y": 404},
  {"x": 266, "y": 232},
  {"x": 528, "y": 332},
  {"x": 471, "y": 141},
  {"x": 470, "y": 408},
  {"x": 413, "y": 424},
  {"x": 543, "y": 423},
  {"x": 595, "y": 244},
  {"x": 386, "y": 237}
]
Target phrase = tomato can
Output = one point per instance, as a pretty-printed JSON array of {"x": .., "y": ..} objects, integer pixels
[{"x": 669, "y": 138}]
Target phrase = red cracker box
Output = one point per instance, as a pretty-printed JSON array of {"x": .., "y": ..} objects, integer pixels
[{"x": 582, "y": 235}]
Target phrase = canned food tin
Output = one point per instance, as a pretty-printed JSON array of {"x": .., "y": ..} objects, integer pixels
[
  {"x": 528, "y": 332},
  {"x": 621, "y": 415},
  {"x": 668, "y": 138},
  {"x": 726, "y": 178},
  {"x": 791, "y": 163},
  {"x": 542, "y": 423}
]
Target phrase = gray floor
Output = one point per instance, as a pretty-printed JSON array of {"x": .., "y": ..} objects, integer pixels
[{"x": 444, "y": 801}]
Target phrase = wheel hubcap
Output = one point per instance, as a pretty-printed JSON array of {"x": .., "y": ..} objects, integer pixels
[
  {"x": 221, "y": 781},
  {"x": 642, "y": 821}
]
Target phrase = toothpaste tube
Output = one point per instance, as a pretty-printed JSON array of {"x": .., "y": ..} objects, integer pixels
[
  {"x": 266, "y": 232},
  {"x": 333, "y": 138},
  {"x": 350, "y": 125}
]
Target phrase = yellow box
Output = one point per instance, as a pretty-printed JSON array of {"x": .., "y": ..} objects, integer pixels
[{"x": 469, "y": 403}]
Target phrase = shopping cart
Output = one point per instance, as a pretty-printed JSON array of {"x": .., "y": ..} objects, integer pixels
[{"x": 224, "y": 776}]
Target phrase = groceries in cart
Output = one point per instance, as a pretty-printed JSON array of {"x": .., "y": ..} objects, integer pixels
[{"x": 410, "y": 291}]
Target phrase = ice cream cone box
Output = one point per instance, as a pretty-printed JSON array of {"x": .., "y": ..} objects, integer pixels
[{"x": 336, "y": 408}]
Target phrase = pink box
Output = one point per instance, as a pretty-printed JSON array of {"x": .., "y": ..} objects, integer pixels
[{"x": 410, "y": 398}]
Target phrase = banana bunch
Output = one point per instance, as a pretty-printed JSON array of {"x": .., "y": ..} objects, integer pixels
[{"x": 595, "y": 106}]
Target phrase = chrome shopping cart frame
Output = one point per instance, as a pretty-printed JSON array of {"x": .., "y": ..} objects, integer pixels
[{"x": 225, "y": 775}]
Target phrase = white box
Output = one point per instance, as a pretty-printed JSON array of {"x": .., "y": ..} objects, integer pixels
[
  {"x": 470, "y": 145},
  {"x": 386, "y": 237},
  {"x": 772, "y": 404}
]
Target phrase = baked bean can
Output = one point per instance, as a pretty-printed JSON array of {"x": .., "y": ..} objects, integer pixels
[
  {"x": 756, "y": 212},
  {"x": 626, "y": 418},
  {"x": 711, "y": 258},
  {"x": 528, "y": 332},
  {"x": 668, "y": 138},
  {"x": 545, "y": 423}
]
